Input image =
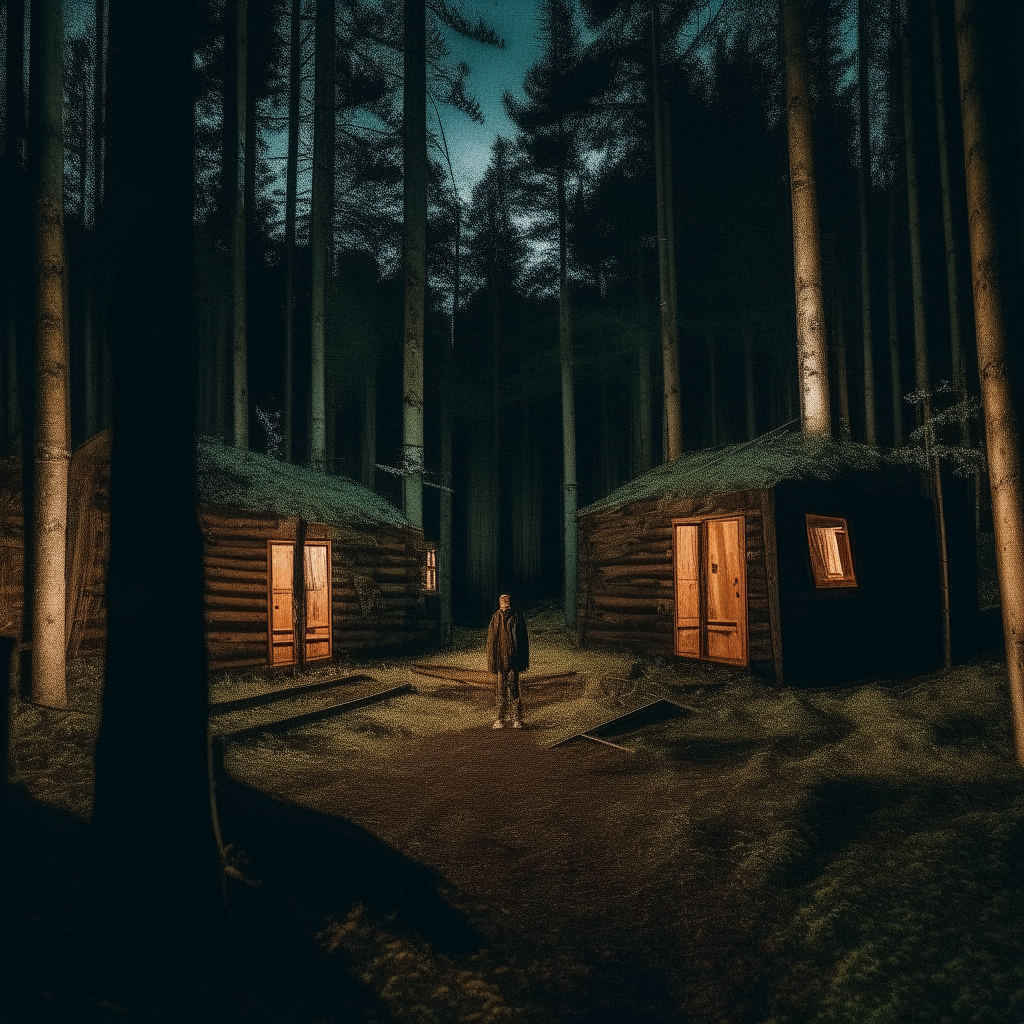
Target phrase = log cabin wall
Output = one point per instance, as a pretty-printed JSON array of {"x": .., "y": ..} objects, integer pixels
[
  {"x": 625, "y": 590},
  {"x": 891, "y": 621},
  {"x": 376, "y": 585}
]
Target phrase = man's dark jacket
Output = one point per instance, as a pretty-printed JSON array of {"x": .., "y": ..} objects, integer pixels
[{"x": 508, "y": 646}]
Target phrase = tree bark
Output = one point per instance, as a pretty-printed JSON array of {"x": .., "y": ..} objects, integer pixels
[
  {"x": 921, "y": 381},
  {"x": 368, "y": 463},
  {"x": 1002, "y": 423},
  {"x": 14, "y": 135},
  {"x": 321, "y": 226},
  {"x": 712, "y": 378},
  {"x": 642, "y": 410},
  {"x": 414, "y": 195},
  {"x": 98, "y": 108},
  {"x": 864, "y": 181},
  {"x": 952, "y": 284},
  {"x": 842, "y": 372},
  {"x": 894, "y": 327},
  {"x": 49, "y": 528},
  {"x": 812, "y": 346},
  {"x": 748, "y": 372},
  {"x": 235, "y": 121},
  {"x": 291, "y": 174},
  {"x": 666, "y": 251},
  {"x": 568, "y": 414},
  {"x": 157, "y": 872}
]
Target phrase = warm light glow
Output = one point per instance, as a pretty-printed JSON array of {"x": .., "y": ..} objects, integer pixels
[
  {"x": 430, "y": 572},
  {"x": 831, "y": 557}
]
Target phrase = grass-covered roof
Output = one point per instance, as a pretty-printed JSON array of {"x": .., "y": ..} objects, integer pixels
[
  {"x": 233, "y": 478},
  {"x": 749, "y": 466},
  {"x": 248, "y": 482}
]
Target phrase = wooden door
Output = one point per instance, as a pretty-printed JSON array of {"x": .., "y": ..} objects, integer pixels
[
  {"x": 687, "y": 589},
  {"x": 725, "y": 576},
  {"x": 318, "y": 600},
  {"x": 280, "y": 558}
]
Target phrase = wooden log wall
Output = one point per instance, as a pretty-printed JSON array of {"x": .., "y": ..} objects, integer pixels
[{"x": 625, "y": 592}]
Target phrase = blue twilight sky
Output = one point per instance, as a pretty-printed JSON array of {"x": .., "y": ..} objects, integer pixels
[{"x": 492, "y": 72}]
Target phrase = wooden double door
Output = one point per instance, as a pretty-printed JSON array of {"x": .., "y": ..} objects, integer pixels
[
  {"x": 316, "y": 575},
  {"x": 709, "y": 561}
]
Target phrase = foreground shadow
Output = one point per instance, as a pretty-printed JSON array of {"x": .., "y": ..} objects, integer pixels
[{"x": 312, "y": 866}]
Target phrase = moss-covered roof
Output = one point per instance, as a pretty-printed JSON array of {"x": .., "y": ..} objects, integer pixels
[
  {"x": 750, "y": 466},
  {"x": 229, "y": 477}
]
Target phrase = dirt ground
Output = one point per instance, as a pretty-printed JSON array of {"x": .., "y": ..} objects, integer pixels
[{"x": 771, "y": 856}]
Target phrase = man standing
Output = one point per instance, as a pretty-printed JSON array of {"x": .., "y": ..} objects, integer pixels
[{"x": 508, "y": 654}]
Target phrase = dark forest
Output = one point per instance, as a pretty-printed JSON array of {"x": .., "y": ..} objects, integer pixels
[{"x": 263, "y": 335}]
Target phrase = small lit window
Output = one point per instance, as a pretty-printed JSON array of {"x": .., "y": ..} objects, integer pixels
[
  {"x": 430, "y": 571},
  {"x": 831, "y": 559}
]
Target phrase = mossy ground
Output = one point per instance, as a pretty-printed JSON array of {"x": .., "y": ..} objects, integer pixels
[{"x": 774, "y": 856}]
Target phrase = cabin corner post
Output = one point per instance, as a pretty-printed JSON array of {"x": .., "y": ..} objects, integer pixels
[{"x": 771, "y": 559}]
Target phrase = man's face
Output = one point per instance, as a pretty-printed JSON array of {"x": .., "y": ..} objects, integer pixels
[{"x": 504, "y": 602}]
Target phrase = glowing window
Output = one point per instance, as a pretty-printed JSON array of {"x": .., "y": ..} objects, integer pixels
[
  {"x": 831, "y": 558},
  {"x": 430, "y": 571}
]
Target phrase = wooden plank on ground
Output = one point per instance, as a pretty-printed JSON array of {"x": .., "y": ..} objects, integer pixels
[
  {"x": 271, "y": 697},
  {"x": 477, "y": 677}
]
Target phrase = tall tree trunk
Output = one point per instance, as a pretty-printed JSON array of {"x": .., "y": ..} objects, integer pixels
[
  {"x": 666, "y": 250},
  {"x": 921, "y": 381},
  {"x": 952, "y": 284},
  {"x": 894, "y": 327},
  {"x": 49, "y": 528},
  {"x": 445, "y": 525},
  {"x": 98, "y": 108},
  {"x": 153, "y": 785},
  {"x": 1002, "y": 423},
  {"x": 812, "y": 346},
  {"x": 568, "y": 414},
  {"x": 414, "y": 193},
  {"x": 864, "y": 181},
  {"x": 842, "y": 371},
  {"x": 368, "y": 463},
  {"x": 748, "y": 371},
  {"x": 496, "y": 391},
  {"x": 321, "y": 225},
  {"x": 642, "y": 410},
  {"x": 235, "y": 121},
  {"x": 709, "y": 333},
  {"x": 88, "y": 360},
  {"x": 291, "y": 174},
  {"x": 14, "y": 134}
]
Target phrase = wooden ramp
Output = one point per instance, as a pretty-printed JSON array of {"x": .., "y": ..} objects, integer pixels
[{"x": 649, "y": 714}]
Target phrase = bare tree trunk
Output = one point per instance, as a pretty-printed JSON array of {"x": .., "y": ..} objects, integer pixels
[
  {"x": 712, "y": 377},
  {"x": 14, "y": 134},
  {"x": 864, "y": 180},
  {"x": 88, "y": 360},
  {"x": 894, "y": 327},
  {"x": 921, "y": 381},
  {"x": 46, "y": 155},
  {"x": 1002, "y": 425},
  {"x": 952, "y": 284},
  {"x": 321, "y": 220},
  {"x": 415, "y": 258},
  {"x": 235, "y": 121},
  {"x": 368, "y": 465},
  {"x": 98, "y": 108},
  {"x": 291, "y": 174},
  {"x": 812, "y": 346},
  {"x": 842, "y": 372},
  {"x": 666, "y": 251},
  {"x": 445, "y": 525},
  {"x": 568, "y": 416},
  {"x": 642, "y": 410},
  {"x": 748, "y": 371}
]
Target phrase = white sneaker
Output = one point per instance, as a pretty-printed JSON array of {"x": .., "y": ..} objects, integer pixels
[
  {"x": 499, "y": 724},
  {"x": 517, "y": 724}
]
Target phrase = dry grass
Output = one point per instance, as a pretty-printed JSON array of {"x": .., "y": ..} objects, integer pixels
[{"x": 817, "y": 856}]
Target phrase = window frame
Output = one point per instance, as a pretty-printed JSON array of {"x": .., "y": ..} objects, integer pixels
[
  {"x": 837, "y": 525},
  {"x": 431, "y": 550}
]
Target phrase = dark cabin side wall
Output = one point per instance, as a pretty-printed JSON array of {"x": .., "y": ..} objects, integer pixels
[
  {"x": 625, "y": 592},
  {"x": 890, "y": 623}
]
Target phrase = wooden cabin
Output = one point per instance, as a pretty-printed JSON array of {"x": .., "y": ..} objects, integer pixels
[
  {"x": 806, "y": 559},
  {"x": 362, "y": 571}
]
